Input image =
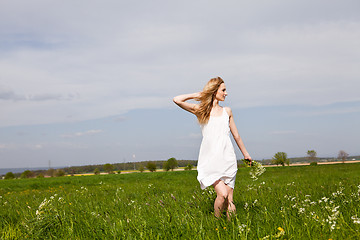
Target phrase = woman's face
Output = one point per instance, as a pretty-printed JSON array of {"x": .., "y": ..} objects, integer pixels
[{"x": 221, "y": 93}]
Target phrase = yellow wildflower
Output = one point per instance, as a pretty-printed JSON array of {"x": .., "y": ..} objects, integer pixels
[{"x": 281, "y": 229}]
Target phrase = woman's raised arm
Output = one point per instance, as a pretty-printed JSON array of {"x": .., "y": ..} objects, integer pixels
[{"x": 181, "y": 101}]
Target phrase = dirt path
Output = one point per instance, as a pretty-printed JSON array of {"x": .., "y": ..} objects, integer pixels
[{"x": 320, "y": 163}]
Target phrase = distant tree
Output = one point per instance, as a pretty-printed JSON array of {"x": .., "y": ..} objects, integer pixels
[
  {"x": 342, "y": 155},
  {"x": 172, "y": 162},
  {"x": 108, "y": 168},
  {"x": 27, "y": 174},
  {"x": 280, "y": 158},
  {"x": 312, "y": 155},
  {"x": 59, "y": 173},
  {"x": 151, "y": 166},
  {"x": 50, "y": 172},
  {"x": 188, "y": 167},
  {"x": 313, "y": 164},
  {"x": 119, "y": 172},
  {"x": 141, "y": 168},
  {"x": 166, "y": 166},
  {"x": 96, "y": 171},
  {"x": 40, "y": 175},
  {"x": 9, "y": 175}
]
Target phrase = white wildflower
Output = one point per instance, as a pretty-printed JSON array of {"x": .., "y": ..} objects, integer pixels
[
  {"x": 355, "y": 219},
  {"x": 242, "y": 228},
  {"x": 256, "y": 168},
  {"x": 246, "y": 205}
]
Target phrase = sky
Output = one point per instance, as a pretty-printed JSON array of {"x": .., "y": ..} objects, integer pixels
[{"x": 92, "y": 82}]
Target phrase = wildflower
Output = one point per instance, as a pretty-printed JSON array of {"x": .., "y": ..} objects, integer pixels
[
  {"x": 242, "y": 227},
  {"x": 279, "y": 234},
  {"x": 172, "y": 196},
  {"x": 256, "y": 169},
  {"x": 355, "y": 219},
  {"x": 246, "y": 206},
  {"x": 224, "y": 228},
  {"x": 216, "y": 229}
]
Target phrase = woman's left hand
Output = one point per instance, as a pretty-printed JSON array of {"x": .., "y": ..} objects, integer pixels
[{"x": 247, "y": 156}]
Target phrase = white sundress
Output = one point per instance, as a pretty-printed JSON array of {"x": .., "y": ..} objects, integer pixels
[{"x": 217, "y": 159}]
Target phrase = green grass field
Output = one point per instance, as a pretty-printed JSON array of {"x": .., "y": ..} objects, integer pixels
[{"x": 320, "y": 202}]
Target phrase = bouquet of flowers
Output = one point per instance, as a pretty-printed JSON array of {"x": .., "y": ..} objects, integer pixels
[{"x": 256, "y": 168}]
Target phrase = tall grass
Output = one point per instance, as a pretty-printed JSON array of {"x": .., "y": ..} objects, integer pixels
[{"x": 320, "y": 202}]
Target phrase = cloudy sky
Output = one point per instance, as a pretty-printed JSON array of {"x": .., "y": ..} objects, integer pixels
[{"x": 91, "y": 82}]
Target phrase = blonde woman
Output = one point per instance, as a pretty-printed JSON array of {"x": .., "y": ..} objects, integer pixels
[{"x": 217, "y": 164}]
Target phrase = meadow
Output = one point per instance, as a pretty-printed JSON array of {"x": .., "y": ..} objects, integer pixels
[{"x": 305, "y": 202}]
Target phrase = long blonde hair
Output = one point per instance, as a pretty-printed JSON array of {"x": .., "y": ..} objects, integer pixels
[{"x": 207, "y": 98}]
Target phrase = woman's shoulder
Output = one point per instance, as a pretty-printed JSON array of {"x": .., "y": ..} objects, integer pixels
[{"x": 228, "y": 110}]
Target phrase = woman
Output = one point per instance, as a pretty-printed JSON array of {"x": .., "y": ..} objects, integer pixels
[{"x": 217, "y": 164}]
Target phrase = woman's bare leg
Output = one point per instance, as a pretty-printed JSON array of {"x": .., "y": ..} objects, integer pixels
[
  {"x": 231, "y": 209},
  {"x": 221, "y": 201}
]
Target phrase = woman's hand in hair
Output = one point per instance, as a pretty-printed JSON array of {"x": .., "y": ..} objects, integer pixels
[{"x": 181, "y": 101}]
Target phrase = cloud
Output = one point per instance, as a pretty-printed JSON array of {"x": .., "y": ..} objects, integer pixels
[
  {"x": 39, "y": 146},
  {"x": 120, "y": 119},
  {"x": 9, "y": 95},
  {"x": 3, "y": 146},
  {"x": 81, "y": 134},
  {"x": 111, "y": 58},
  {"x": 283, "y": 132}
]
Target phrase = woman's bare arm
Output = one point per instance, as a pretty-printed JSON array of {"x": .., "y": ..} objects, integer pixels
[
  {"x": 236, "y": 135},
  {"x": 181, "y": 102}
]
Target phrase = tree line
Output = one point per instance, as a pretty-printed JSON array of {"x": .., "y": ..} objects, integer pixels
[
  {"x": 280, "y": 158},
  {"x": 167, "y": 165}
]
